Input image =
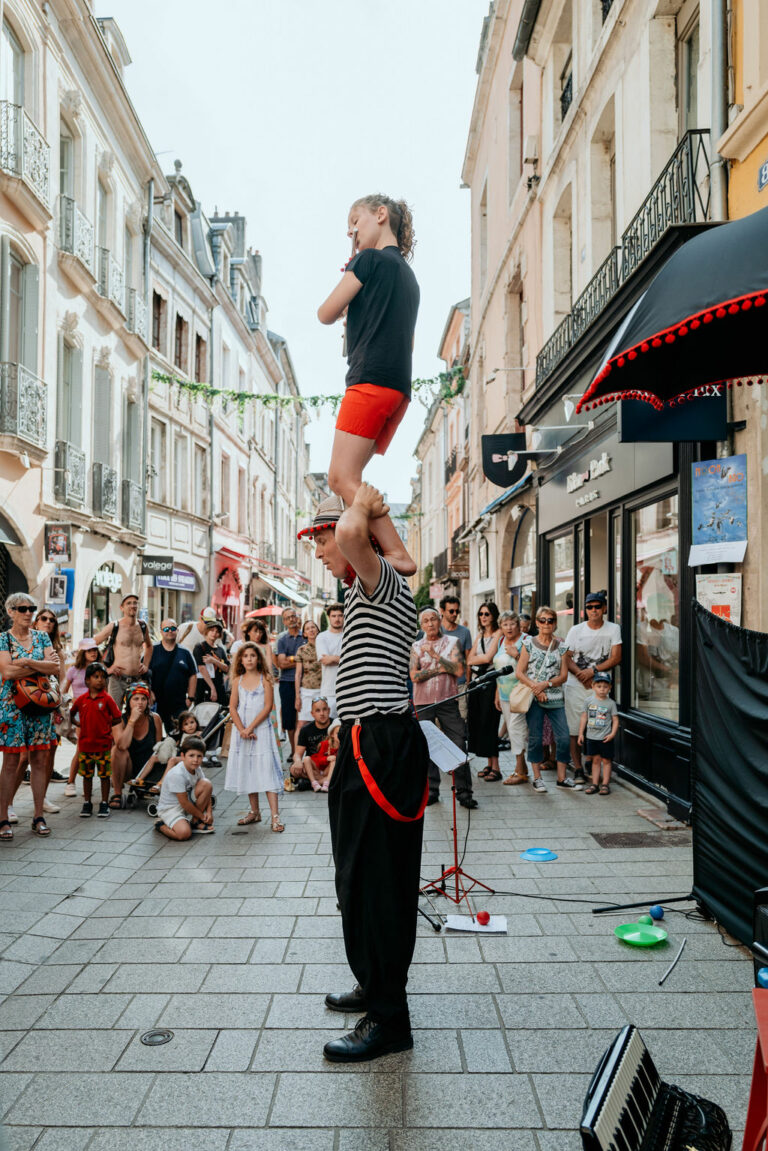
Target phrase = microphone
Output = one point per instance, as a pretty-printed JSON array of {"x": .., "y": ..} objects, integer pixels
[{"x": 496, "y": 673}]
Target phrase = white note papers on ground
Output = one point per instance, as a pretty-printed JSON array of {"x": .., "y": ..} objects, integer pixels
[
  {"x": 496, "y": 925},
  {"x": 442, "y": 751}
]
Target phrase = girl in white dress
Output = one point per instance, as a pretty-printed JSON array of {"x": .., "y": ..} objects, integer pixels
[{"x": 253, "y": 764}]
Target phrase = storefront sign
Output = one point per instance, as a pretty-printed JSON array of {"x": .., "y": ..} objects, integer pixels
[
  {"x": 501, "y": 463},
  {"x": 58, "y": 543},
  {"x": 105, "y": 578},
  {"x": 157, "y": 565},
  {"x": 702, "y": 417},
  {"x": 721, "y": 594},
  {"x": 606, "y": 472},
  {"x": 719, "y": 517},
  {"x": 178, "y": 580}
]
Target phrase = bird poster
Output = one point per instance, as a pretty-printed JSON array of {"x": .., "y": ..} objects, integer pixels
[{"x": 719, "y": 515}]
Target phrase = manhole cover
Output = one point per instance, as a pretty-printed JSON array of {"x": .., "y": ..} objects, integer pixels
[
  {"x": 156, "y": 1038},
  {"x": 642, "y": 838}
]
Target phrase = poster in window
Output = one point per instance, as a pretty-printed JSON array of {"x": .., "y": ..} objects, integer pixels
[
  {"x": 721, "y": 594},
  {"x": 58, "y": 543},
  {"x": 719, "y": 513},
  {"x": 57, "y": 590}
]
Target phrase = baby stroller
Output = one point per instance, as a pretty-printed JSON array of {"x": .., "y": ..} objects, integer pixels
[{"x": 212, "y": 718}]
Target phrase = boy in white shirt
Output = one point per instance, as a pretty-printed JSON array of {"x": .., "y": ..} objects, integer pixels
[{"x": 186, "y": 796}]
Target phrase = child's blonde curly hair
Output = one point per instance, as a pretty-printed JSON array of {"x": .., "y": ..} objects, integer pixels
[{"x": 400, "y": 220}]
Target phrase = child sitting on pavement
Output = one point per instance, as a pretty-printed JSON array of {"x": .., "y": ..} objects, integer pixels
[
  {"x": 316, "y": 746},
  {"x": 96, "y": 715},
  {"x": 597, "y": 731},
  {"x": 166, "y": 751},
  {"x": 185, "y": 803}
]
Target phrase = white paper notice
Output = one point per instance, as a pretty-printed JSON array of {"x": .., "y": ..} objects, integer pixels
[
  {"x": 724, "y": 553},
  {"x": 721, "y": 594},
  {"x": 442, "y": 751},
  {"x": 497, "y": 924}
]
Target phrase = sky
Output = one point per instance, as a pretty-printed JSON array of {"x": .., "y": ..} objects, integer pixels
[{"x": 289, "y": 110}]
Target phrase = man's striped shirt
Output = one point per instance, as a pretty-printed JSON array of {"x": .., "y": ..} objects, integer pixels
[{"x": 376, "y": 647}]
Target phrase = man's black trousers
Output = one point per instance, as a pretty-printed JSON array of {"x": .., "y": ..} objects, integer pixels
[{"x": 377, "y": 857}]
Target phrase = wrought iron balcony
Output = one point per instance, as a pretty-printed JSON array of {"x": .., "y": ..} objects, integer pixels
[
  {"x": 606, "y": 6},
  {"x": 451, "y": 463},
  {"x": 566, "y": 96},
  {"x": 459, "y": 565},
  {"x": 111, "y": 285},
  {"x": 23, "y": 405},
  {"x": 133, "y": 502},
  {"x": 680, "y": 195},
  {"x": 137, "y": 314},
  {"x": 104, "y": 488},
  {"x": 76, "y": 234},
  {"x": 440, "y": 565},
  {"x": 24, "y": 151},
  {"x": 69, "y": 481}
]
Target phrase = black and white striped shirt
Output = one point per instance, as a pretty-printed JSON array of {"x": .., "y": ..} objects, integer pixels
[{"x": 376, "y": 647}]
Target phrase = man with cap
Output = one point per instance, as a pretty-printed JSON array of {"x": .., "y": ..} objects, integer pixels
[
  {"x": 379, "y": 787},
  {"x": 129, "y": 648},
  {"x": 192, "y": 633},
  {"x": 594, "y": 645},
  {"x": 174, "y": 675}
]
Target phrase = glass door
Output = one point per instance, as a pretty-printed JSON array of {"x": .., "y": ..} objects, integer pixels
[
  {"x": 562, "y": 580},
  {"x": 655, "y": 624}
]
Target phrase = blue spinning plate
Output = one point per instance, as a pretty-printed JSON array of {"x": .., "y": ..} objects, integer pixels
[{"x": 538, "y": 855}]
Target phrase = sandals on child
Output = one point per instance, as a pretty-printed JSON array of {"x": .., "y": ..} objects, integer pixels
[
  {"x": 605, "y": 789},
  {"x": 277, "y": 823},
  {"x": 249, "y": 817},
  {"x": 40, "y": 827}
]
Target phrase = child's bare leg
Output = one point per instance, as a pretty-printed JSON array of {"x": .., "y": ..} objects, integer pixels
[
  {"x": 596, "y": 765},
  {"x": 349, "y": 456},
  {"x": 72, "y": 770},
  {"x": 104, "y": 788},
  {"x": 181, "y": 829},
  {"x": 607, "y": 764},
  {"x": 203, "y": 794},
  {"x": 331, "y": 765},
  {"x": 309, "y": 767},
  {"x": 146, "y": 769}
]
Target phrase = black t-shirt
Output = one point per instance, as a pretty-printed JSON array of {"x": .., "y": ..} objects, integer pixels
[
  {"x": 381, "y": 320},
  {"x": 170, "y": 676},
  {"x": 217, "y": 675},
  {"x": 311, "y": 736}
]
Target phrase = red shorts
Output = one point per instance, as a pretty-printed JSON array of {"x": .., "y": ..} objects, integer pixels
[{"x": 372, "y": 412}]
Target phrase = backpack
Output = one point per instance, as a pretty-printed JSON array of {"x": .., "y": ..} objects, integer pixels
[{"x": 109, "y": 651}]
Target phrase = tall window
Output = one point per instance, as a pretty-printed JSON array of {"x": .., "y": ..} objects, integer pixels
[
  {"x": 515, "y": 138},
  {"x": 226, "y": 361},
  {"x": 178, "y": 227},
  {"x": 66, "y": 163},
  {"x": 225, "y": 499},
  {"x": 69, "y": 394},
  {"x": 102, "y": 220},
  {"x": 128, "y": 246},
  {"x": 181, "y": 473},
  {"x": 200, "y": 480},
  {"x": 688, "y": 70},
  {"x": 180, "y": 343},
  {"x": 19, "y": 318},
  {"x": 132, "y": 453},
  {"x": 16, "y": 311},
  {"x": 656, "y": 638},
  {"x": 158, "y": 321},
  {"x": 102, "y": 416},
  {"x": 201, "y": 359},
  {"x": 11, "y": 67},
  {"x": 158, "y": 461},
  {"x": 242, "y": 509}
]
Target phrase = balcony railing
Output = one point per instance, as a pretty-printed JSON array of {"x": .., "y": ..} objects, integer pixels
[
  {"x": 104, "y": 487},
  {"x": 451, "y": 463},
  {"x": 440, "y": 565},
  {"x": 24, "y": 151},
  {"x": 132, "y": 505},
  {"x": 76, "y": 232},
  {"x": 69, "y": 481},
  {"x": 681, "y": 195},
  {"x": 566, "y": 96},
  {"x": 137, "y": 314},
  {"x": 606, "y": 6},
  {"x": 111, "y": 285},
  {"x": 459, "y": 564},
  {"x": 23, "y": 405}
]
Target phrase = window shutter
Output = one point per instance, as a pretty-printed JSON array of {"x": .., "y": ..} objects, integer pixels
[
  {"x": 102, "y": 417},
  {"x": 29, "y": 325},
  {"x": 62, "y": 391},
  {"x": 5, "y": 297},
  {"x": 76, "y": 398}
]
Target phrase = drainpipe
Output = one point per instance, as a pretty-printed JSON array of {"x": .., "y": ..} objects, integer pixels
[
  {"x": 211, "y": 430},
  {"x": 718, "y": 124},
  {"x": 148, "y": 313},
  {"x": 275, "y": 515}
]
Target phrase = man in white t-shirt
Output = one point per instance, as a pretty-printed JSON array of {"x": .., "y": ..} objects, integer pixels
[
  {"x": 594, "y": 645},
  {"x": 328, "y": 648}
]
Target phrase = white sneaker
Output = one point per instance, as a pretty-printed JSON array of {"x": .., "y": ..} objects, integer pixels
[
  {"x": 70, "y": 789},
  {"x": 51, "y": 808},
  {"x": 12, "y": 816},
  {"x": 539, "y": 785}
]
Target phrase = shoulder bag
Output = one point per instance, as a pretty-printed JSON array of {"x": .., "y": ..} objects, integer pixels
[{"x": 36, "y": 693}]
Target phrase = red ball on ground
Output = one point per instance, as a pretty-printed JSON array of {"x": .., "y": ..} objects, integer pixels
[{"x": 483, "y": 918}]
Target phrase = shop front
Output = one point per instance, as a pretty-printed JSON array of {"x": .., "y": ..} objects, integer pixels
[
  {"x": 173, "y": 596},
  {"x": 102, "y": 601}
]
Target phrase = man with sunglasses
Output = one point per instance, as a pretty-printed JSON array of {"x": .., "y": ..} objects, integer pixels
[
  {"x": 449, "y": 620},
  {"x": 594, "y": 645},
  {"x": 174, "y": 675}
]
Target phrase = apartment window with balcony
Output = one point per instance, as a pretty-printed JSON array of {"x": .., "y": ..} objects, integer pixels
[
  {"x": 562, "y": 242},
  {"x": 102, "y": 215},
  {"x": 515, "y": 137},
  {"x": 200, "y": 479},
  {"x": 11, "y": 67},
  {"x": 242, "y": 509},
  {"x": 102, "y": 416},
  {"x": 158, "y": 321},
  {"x": 201, "y": 359},
  {"x": 181, "y": 473},
  {"x": 66, "y": 163},
  {"x": 19, "y": 319},
  {"x": 688, "y": 54},
  {"x": 603, "y": 186},
  {"x": 225, "y": 498},
  {"x": 158, "y": 459},
  {"x": 69, "y": 395},
  {"x": 132, "y": 453},
  {"x": 178, "y": 227},
  {"x": 180, "y": 342},
  {"x": 128, "y": 247}
]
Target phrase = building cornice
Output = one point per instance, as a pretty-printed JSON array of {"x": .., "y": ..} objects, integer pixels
[
  {"x": 748, "y": 129},
  {"x": 485, "y": 79}
]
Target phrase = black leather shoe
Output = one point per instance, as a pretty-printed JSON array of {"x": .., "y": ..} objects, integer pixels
[
  {"x": 369, "y": 1040},
  {"x": 467, "y": 801},
  {"x": 353, "y": 1000}
]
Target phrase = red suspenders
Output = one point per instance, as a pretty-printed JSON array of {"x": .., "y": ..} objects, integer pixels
[{"x": 375, "y": 791}]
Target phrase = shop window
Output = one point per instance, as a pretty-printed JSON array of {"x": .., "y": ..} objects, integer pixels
[
  {"x": 656, "y": 638},
  {"x": 561, "y": 577},
  {"x": 482, "y": 558}
]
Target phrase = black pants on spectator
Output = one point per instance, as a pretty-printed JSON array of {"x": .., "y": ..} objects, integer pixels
[
  {"x": 378, "y": 858},
  {"x": 447, "y": 717}
]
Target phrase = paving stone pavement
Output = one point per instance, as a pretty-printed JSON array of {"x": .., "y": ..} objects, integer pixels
[{"x": 232, "y": 940}]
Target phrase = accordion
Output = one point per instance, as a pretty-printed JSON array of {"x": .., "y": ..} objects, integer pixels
[{"x": 628, "y": 1108}]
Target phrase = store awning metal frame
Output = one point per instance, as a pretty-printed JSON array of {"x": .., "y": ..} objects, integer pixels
[{"x": 283, "y": 589}]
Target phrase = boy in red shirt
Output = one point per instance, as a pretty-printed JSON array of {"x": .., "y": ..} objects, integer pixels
[{"x": 96, "y": 715}]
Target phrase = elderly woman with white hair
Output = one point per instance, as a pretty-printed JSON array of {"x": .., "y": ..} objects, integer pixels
[
  {"x": 24, "y": 652},
  {"x": 435, "y": 667}
]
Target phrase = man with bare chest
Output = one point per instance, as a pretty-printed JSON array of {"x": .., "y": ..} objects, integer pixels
[{"x": 131, "y": 648}]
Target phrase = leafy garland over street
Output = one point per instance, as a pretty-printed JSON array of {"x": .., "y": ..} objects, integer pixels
[{"x": 445, "y": 386}]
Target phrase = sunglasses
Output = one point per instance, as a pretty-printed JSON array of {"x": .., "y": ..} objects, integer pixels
[
  {"x": 484, "y": 613},
  {"x": 319, "y": 699},
  {"x": 24, "y": 608},
  {"x": 46, "y": 619},
  {"x": 594, "y": 607},
  {"x": 170, "y": 629},
  {"x": 451, "y": 611},
  {"x": 546, "y": 619}
]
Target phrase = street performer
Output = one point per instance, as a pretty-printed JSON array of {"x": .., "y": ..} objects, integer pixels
[{"x": 379, "y": 787}]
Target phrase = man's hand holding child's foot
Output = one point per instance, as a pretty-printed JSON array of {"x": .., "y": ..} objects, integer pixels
[{"x": 370, "y": 501}]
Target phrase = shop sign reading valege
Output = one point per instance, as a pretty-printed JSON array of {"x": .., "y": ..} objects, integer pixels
[{"x": 596, "y": 468}]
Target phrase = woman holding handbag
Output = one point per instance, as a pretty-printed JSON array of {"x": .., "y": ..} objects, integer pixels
[
  {"x": 542, "y": 667},
  {"x": 28, "y": 700},
  {"x": 482, "y": 718},
  {"x": 512, "y": 697}
]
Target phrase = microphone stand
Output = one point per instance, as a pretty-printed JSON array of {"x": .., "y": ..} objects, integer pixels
[{"x": 456, "y": 874}]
